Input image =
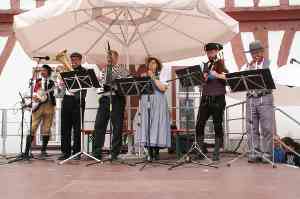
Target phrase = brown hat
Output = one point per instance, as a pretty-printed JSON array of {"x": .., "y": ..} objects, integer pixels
[{"x": 255, "y": 46}]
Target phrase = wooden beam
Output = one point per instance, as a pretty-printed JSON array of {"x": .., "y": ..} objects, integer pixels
[
  {"x": 5, "y": 29},
  {"x": 229, "y": 4},
  {"x": 285, "y": 47},
  {"x": 257, "y": 14},
  {"x": 256, "y": 3},
  {"x": 9, "y": 46},
  {"x": 15, "y": 4},
  {"x": 238, "y": 51},
  {"x": 284, "y": 3},
  {"x": 270, "y": 26},
  {"x": 262, "y": 35},
  {"x": 40, "y": 3},
  {"x": 6, "y": 18}
]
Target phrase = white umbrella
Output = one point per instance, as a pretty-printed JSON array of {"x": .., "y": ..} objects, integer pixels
[
  {"x": 168, "y": 29},
  {"x": 287, "y": 75}
]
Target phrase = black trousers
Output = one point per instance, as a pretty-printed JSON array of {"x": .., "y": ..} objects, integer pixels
[
  {"x": 70, "y": 119},
  {"x": 210, "y": 106},
  {"x": 102, "y": 119}
]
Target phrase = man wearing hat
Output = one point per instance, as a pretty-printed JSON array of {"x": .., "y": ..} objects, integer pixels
[
  {"x": 44, "y": 113},
  {"x": 213, "y": 97},
  {"x": 259, "y": 111},
  {"x": 70, "y": 113}
]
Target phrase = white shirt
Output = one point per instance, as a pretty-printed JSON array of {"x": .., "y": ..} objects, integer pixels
[{"x": 253, "y": 67}]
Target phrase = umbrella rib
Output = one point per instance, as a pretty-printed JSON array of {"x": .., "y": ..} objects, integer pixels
[
  {"x": 189, "y": 15},
  {"x": 138, "y": 32},
  {"x": 123, "y": 34},
  {"x": 112, "y": 34},
  {"x": 150, "y": 29},
  {"x": 176, "y": 30},
  {"x": 64, "y": 34},
  {"x": 105, "y": 31}
]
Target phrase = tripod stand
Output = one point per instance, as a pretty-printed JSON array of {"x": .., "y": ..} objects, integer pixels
[
  {"x": 78, "y": 82},
  {"x": 260, "y": 79},
  {"x": 190, "y": 77}
]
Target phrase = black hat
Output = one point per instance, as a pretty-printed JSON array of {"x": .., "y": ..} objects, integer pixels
[
  {"x": 213, "y": 46},
  {"x": 76, "y": 54},
  {"x": 48, "y": 68}
]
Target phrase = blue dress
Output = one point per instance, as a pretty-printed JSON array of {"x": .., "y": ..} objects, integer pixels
[{"x": 160, "y": 132}]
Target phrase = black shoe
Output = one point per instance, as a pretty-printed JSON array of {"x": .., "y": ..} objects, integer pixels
[
  {"x": 63, "y": 157},
  {"x": 98, "y": 156},
  {"x": 254, "y": 160},
  {"x": 150, "y": 154},
  {"x": 113, "y": 158},
  {"x": 156, "y": 153},
  {"x": 216, "y": 157},
  {"x": 43, "y": 155},
  {"x": 27, "y": 156},
  {"x": 78, "y": 157}
]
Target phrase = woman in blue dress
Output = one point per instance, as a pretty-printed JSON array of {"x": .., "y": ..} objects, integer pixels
[{"x": 160, "y": 133}]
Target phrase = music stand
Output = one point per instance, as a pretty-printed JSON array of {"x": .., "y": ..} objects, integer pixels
[
  {"x": 190, "y": 77},
  {"x": 248, "y": 81},
  {"x": 139, "y": 86},
  {"x": 76, "y": 81}
]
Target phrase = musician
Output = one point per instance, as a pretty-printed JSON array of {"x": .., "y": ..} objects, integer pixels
[
  {"x": 117, "y": 113},
  {"x": 213, "y": 97},
  {"x": 159, "y": 129},
  {"x": 70, "y": 113},
  {"x": 259, "y": 110},
  {"x": 44, "y": 113}
]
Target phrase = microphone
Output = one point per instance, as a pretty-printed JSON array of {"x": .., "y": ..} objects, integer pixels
[
  {"x": 108, "y": 46},
  {"x": 45, "y": 58},
  {"x": 294, "y": 60}
]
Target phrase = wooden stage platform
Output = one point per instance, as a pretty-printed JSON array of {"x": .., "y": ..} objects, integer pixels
[{"x": 48, "y": 180}]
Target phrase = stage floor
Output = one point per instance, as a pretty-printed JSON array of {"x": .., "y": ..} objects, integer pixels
[{"x": 48, "y": 180}]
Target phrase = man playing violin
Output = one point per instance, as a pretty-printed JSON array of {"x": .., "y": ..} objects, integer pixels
[
  {"x": 213, "y": 97},
  {"x": 44, "y": 113}
]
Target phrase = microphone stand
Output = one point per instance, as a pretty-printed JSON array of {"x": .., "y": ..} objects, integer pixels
[
  {"x": 22, "y": 122},
  {"x": 23, "y": 156}
]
